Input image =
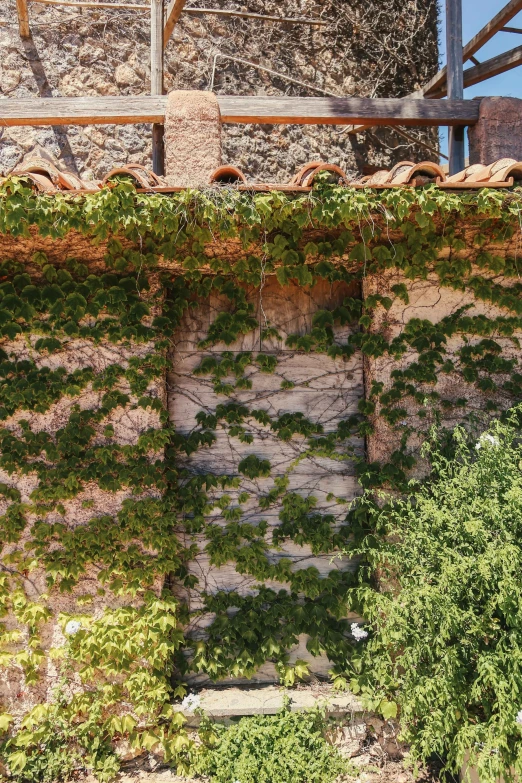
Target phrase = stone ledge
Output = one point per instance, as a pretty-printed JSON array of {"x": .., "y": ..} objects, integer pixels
[{"x": 228, "y": 703}]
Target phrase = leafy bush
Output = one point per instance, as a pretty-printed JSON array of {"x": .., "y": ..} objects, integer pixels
[
  {"x": 447, "y": 623},
  {"x": 289, "y": 747}
]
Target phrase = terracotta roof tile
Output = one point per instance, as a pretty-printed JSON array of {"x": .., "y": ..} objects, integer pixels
[{"x": 46, "y": 177}]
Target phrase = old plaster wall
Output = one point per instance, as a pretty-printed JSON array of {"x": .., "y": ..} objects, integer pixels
[
  {"x": 433, "y": 302},
  {"x": 16, "y": 696},
  {"x": 379, "y": 48}
]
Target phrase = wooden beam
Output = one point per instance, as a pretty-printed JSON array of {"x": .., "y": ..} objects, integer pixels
[
  {"x": 455, "y": 80},
  {"x": 23, "y": 18},
  {"x": 510, "y": 10},
  {"x": 94, "y": 4},
  {"x": 191, "y": 10},
  {"x": 489, "y": 68},
  {"x": 511, "y": 30},
  {"x": 492, "y": 28},
  {"x": 99, "y": 110},
  {"x": 128, "y": 109},
  {"x": 174, "y": 10},
  {"x": 346, "y": 111},
  {"x": 156, "y": 81}
]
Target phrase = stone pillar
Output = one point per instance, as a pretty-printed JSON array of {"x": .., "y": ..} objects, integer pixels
[
  {"x": 192, "y": 138},
  {"x": 498, "y": 133}
]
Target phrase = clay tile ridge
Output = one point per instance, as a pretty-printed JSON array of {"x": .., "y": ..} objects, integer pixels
[{"x": 45, "y": 176}]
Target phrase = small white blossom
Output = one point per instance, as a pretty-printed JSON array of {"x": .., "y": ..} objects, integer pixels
[
  {"x": 191, "y": 702},
  {"x": 358, "y": 633},
  {"x": 519, "y": 718},
  {"x": 72, "y": 627},
  {"x": 486, "y": 440}
]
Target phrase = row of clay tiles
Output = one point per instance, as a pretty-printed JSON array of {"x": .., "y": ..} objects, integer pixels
[{"x": 47, "y": 178}]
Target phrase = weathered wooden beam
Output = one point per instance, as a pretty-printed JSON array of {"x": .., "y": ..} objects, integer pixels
[
  {"x": 94, "y": 4},
  {"x": 174, "y": 10},
  {"x": 511, "y": 30},
  {"x": 346, "y": 111},
  {"x": 489, "y": 68},
  {"x": 156, "y": 81},
  {"x": 510, "y": 10},
  {"x": 492, "y": 28},
  {"x": 23, "y": 18},
  {"x": 99, "y": 110},
  {"x": 455, "y": 80},
  {"x": 128, "y": 109},
  {"x": 191, "y": 10}
]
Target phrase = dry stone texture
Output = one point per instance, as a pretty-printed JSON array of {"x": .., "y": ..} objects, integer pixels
[{"x": 379, "y": 48}]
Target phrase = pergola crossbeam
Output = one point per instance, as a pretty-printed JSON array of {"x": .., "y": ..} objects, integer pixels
[
  {"x": 432, "y": 88},
  {"x": 104, "y": 110}
]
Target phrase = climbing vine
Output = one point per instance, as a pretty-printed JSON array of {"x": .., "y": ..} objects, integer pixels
[{"x": 107, "y": 501}]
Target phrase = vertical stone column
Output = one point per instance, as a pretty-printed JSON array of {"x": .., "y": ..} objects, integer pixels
[
  {"x": 192, "y": 138},
  {"x": 498, "y": 133}
]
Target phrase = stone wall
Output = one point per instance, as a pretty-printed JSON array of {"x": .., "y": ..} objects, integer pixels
[{"x": 382, "y": 48}]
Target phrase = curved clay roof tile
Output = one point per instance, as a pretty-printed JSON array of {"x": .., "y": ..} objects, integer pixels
[
  {"x": 227, "y": 175},
  {"x": 461, "y": 176},
  {"x": 305, "y": 171},
  {"x": 308, "y": 180},
  {"x": 138, "y": 174},
  {"x": 379, "y": 178},
  {"x": 427, "y": 169},
  {"x": 511, "y": 171},
  {"x": 148, "y": 173}
]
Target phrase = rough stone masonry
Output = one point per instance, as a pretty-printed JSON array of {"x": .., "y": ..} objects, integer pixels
[{"x": 377, "y": 48}]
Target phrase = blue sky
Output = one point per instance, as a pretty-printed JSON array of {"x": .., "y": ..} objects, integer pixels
[{"x": 475, "y": 14}]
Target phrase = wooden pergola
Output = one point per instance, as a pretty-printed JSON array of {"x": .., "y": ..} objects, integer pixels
[{"x": 427, "y": 107}]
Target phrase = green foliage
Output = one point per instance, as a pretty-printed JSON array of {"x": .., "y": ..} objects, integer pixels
[
  {"x": 445, "y": 643},
  {"x": 289, "y": 747},
  {"x": 131, "y": 659},
  {"x": 253, "y": 467}
]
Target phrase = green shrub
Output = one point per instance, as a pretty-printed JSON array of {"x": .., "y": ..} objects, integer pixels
[
  {"x": 446, "y": 641},
  {"x": 289, "y": 747}
]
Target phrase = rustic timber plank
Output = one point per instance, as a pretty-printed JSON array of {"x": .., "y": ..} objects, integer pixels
[
  {"x": 346, "y": 111},
  {"x": 99, "y": 110},
  {"x": 489, "y": 68},
  {"x": 108, "y": 110},
  {"x": 496, "y": 24},
  {"x": 23, "y": 18},
  {"x": 174, "y": 10}
]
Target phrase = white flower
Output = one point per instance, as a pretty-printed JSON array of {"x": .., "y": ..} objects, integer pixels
[
  {"x": 190, "y": 702},
  {"x": 486, "y": 440},
  {"x": 518, "y": 719},
  {"x": 358, "y": 633},
  {"x": 72, "y": 627}
]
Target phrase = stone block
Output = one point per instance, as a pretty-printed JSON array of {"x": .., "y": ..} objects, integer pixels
[
  {"x": 192, "y": 138},
  {"x": 498, "y": 133}
]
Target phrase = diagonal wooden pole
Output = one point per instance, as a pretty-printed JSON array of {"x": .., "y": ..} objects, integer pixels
[
  {"x": 455, "y": 79},
  {"x": 156, "y": 81},
  {"x": 174, "y": 10}
]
